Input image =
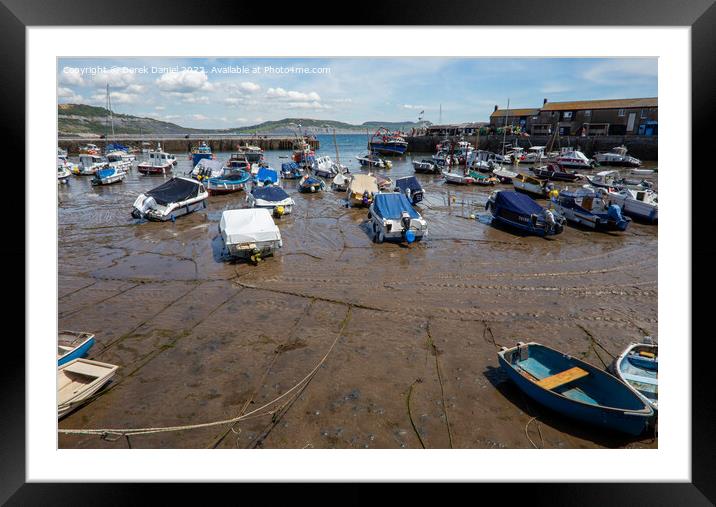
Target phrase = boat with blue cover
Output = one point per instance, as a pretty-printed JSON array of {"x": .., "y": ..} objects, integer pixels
[
  {"x": 291, "y": 171},
  {"x": 108, "y": 175},
  {"x": 520, "y": 212},
  {"x": 638, "y": 368},
  {"x": 311, "y": 184},
  {"x": 272, "y": 198},
  {"x": 575, "y": 388},
  {"x": 266, "y": 176},
  {"x": 203, "y": 151},
  {"x": 385, "y": 142},
  {"x": 173, "y": 198},
  {"x": 585, "y": 207},
  {"x": 410, "y": 186},
  {"x": 72, "y": 345},
  {"x": 392, "y": 216},
  {"x": 230, "y": 180}
]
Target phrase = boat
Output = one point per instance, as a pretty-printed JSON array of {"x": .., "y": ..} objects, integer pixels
[
  {"x": 638, "y": 204},
  {"x": 520, "y": 212},
  {"x": 361, "y": 189},
  {"x": 426, "y": 166},
  {"x": 291, "y": 171},
  {"x": 638, "y": 367},
  {"x": 63, "y": 172},
  {"x": 303, "y": 154},
  {"x": 72, "y": 345},
  {"x": 159, "y": 162},
  {"x": 253, "y": 154},
  {"x": 78, "y": 380},
  {"x": 119, "y": 150},
  {"x": 384, "y": 183},
  {"x": 249, "y": 233},
  {"x": 575, "y": 388},
  {"x": 311, "y": 184},
  {"x": 109, "y": 175},
  {"x": 201, "y": 152},
  {"x": 384, "y": 142},
  {"x": 504, "y": 175},
  {"x": 373, "y": 160},
  {"x": 643, "y": 171},
  {"x": 531, "y": 185},
  {"x": 211, "y": 168},
  {"x": 117, "y": 159},
  {"x": 230, "y": 180},
  {"x": 266, "y": 176},
  {"x": 61, "y": 153},
  {"x": 479, "y": 178},
  {"x": 272, "y": 198},
  {"x": 90, "y": 164},
  {"x": 534, "y": 155},
  {"x": 238, "y": 160},
  {"x": 583, "y": 206},
  {"x": 612, "y": 179},
  {"x": 324, "y": 167},
  {"x": 457, "y": 178},
  {"x": 572, "y": 159},
  {"x": 483, "y": 161},
  {"x": 341, "y": 181},
  {"x": 174, "y": 198},
  {"x": 90, "y": 149},
  {"x": 411, "y": 188},
  {"x": 617, "y": 157},
  {"x": 443, "y": 159},
  {"x": 554, "y": 172},
  {"x": 392, "y": 216}
]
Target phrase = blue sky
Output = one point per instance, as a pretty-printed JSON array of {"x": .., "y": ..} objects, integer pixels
[{"x": 222, "y": 93}]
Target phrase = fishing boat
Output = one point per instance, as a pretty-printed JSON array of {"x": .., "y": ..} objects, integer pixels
[
  {"x": 117, "y": 159},
  {"x": 584, "y": 207},
  {"x": 303, "y": 154},
  {"x": 617, "y": 157},
  {"x": 211, "y": 168},
  {"x": 504, "y": 175},
  {"x": 78, "y": 380},
  {"x": 341, "y": 181},
  {"x": 266, "y": 176},
  {"x": 391, "y": 216},
  {"x": 238, "y": 160},
  {"x": 426, "y": 166},
  {"x": 385, "y": 142},
  {"x": 291, "y": 171},
  {"x": 531, "y": 185},
  {"x": 479, "y": 178},
  {"x": 271, "y": 197},
  {"x": 72, "y": 345},
  {"x": 361, "y": 189},
  {"x": 324, "y": 167},
  {"x": 575, "y": 388},
  {"x": 63, "y": 172},
  {"x": 249, "y": 233},
  {"x": 554, "y": 172},
  {"x": 117, "y": 151},
  {"x": 638, "y": 367},
  {"x": 254, "y": 154},
  {"x": 311, "y": 184},
  {"x": 612, "y": 179},
  {"x": 108, "y": 175},
  {"x": 457, "y": 178},
  {"x": 373, "y": 160},
  {"x": 174, "y": 198},
  {"x": 483, "y": 161},
  {"x": 573, "y": 159},
  {"x": 229, "y": 181},
  {"x": 90, "y": 149},
  {"x": 534, "y": 155},
  {"x": 159, "y": 162},
  {"x": 411, "y": 188},
  {"x": 443, "y": 159},
  {"x": 201, "y": 152},
  {"x": 90, "y": 164},
  {"x": 639, "y": 204},
  {"x": 520, "y": 212}
]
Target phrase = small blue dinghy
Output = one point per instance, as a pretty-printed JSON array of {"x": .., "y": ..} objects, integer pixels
[
  {"x": 267, "y": 175},
  {"x": 575, "y": 388},
  {"x": 72, "y": 345},
  {"x": 311, "y": 184},
  {"x": 291, "y": 171},
  {"x": 638, "y": 368}
]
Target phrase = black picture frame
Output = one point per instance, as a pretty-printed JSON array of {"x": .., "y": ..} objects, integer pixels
[{"x": 700, "y": 15}]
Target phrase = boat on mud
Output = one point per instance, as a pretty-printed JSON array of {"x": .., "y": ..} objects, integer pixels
[
  {"x": 504, "y": 175},
  {"x": 520, "y": 212},
  {"x": 483, "y": 161},
  {"x": 90, "y": 164},
  {"x": 249, "y": 233},
  {"x": 534, "y": 155},
  {"x": 457, "y": 178},
  {"x": 341, "y": 181},
  {"x": 638, "y": 204},
  {"x": 78, "y": 380},
  {"x": 411, "y": 188},
  {"x": 638, "y": 367},
  {"x": 554, "y": 172},
  {"x": 63, "y": 172},
  {"x": 531, "y": 185},
  {"x": 108, "y": 175},
  {"x": 120, "y": 159},
  {"x": 311, "y": 184},
  {"x": 373, "y": 160},
  {"x": 253, "y": 154},
  {"x": 573, "y": 159},
  {"x": 303, "y": 154},
  {"x": 361, "y": 189},
  {"x": 271, "y": 197},
  {"x": 391, "y": 216},
  {"x": 384, "y": 183},
  {"x": 324, "y": 167},
  {"x": 229, "y": 181},
  {"x": 612, "y": 179},
  {"x": 72, "y": 345},
  {"x": 208, "y": 168},
  {"x": 585, "y": 207},
  {"x": 158, "y": 162},
  {"x": 385, "y": 142},
  {"x": 484, "y": 180},
  {"x": 575, "y": 388},
  {"x": 617, "y": 157},
  {"x": 291, "y": 171},
  {"x": 266, "y": 176},
  {"x": 174, "y": 198},
  {"x": 426, "y": 166}
]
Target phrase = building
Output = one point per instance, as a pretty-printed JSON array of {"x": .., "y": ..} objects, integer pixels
[
  {"x": 460, "y": 129},
  {"x": 585, "y": 117}
]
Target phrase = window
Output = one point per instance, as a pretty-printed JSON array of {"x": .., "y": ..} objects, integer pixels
[
  {"x": 567, "y": 115},
  {"x": 643, "y": 113},
  {"x": 588, "y": 112},
  {"x": 621, "y": 112}
]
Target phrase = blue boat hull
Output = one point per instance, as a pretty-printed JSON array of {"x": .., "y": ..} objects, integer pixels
[
  {"x": 388, "y": 149},
  {"x": 80, "y": 351}
]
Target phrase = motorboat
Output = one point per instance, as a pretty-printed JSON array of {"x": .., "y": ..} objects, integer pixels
[
  {"x": 117, "y": 159},
  {"x": 238, "y": 160},
  {"x": 531, "y": 185},
  {"x": 341, "y": 181},
  {"x": 63, "y": 171},
  {"x": 72, "y": 345},
  {"x": 443, "y": 159},
  {"x": 481, "y": 179},
  {"x": 174, "y": 198},
  {"x": 267, "y": 176},
  {"x": 253, "y": 154},
  {"x": 573, "y": 159},
  {"x": 575, "y": 388},
  {"x": 158, "y": 162},
  {"x": 385, "y": 142},
  {"x": 229, "y": 181},
  {"x": 554, "y": 172},
  {"x": 391, "y": 216},
  {"x": 504, "y": 175},
  {"x": 483, "y": 161},
  {"x": 457, "y": 178},
  {"x": 324, "y": 167},
  {"x": 617, "y": 157},
  {"x": 638, "y": 367},
  {"x": 108, "y": 175},
  {"x": 373, "y": 160},
  {"x": 201, "y": 152},
  {"x": 90, "y": 149},
  {"x": 585, "y": 207},
  {"x": 639, "y": 204},
  {"x": 291, "y": 171},
  {"x": 311, "y": 184},
  {"x": 534, "y": 155},
  {"x": 90, "y": 164},
  {"x": 411, "y": 188},
  {"x": 271, "y": 197},
  {"x": 612, "y": 179},
  {"x": 303, "y": 153},
  {"x": 249, "y": 233},
  {"x": 116, "y": 151},
  {"x": 426, "y": 166},
  {"x": 78, "y": 380},
  {"x": 361, "y": 189},
  {"x": 208, "y": 168},
  {"x": 521, "y": 212}
]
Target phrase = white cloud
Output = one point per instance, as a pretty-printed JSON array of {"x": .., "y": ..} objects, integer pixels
[
  {"x": 160, "y": 108},
  {"x": 68, "y": 95},
  {"x": 249, "y": 87},
  {"x": 71, "y": 76},
  {"x": 185, "y": 81},
  {"x": 619, "y": 71},
  {"x": 116, "y": 77},
  {"x": 191, "y": 99},
  {"x": 199, "y": 117},
  {"x": 280, "y": 93},
  {"x": 117, "y": 98},
  {"x": 307, "y": 105},
  {"x": 411, "y": 106}
]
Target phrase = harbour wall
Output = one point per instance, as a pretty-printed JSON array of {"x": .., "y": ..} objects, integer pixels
[
  {"x": 642, "y": 147},
  {"x": 177, "y": 144}
]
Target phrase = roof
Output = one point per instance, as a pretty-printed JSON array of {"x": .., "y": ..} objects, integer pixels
[
  {"x": 514, "y": 112},
  {"x": 601, "y": 104}
]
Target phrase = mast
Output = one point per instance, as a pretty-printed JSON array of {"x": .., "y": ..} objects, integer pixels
[
  {"x": 335, "y": 143},
  {"x": 504, "y": 126}
]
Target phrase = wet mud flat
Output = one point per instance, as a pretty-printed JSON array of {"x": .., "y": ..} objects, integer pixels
[{"x": 414, "y": 330}]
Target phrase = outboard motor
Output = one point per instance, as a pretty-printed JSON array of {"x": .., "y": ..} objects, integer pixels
[{"x": 614, "y": 213}]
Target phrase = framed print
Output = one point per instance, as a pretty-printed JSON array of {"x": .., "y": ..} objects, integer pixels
[{"x": 361, "y": 253}]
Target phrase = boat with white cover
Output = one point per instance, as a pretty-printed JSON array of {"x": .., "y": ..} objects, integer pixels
[
  {"x": 341, "y": 181},
  {"x": 174, "y": 198},
  {"x": 250, "y": 233},
  {"x": 361, "y": 189},
  {"x": 617, "y": 157},
  {"x": 78, "y": 380}
]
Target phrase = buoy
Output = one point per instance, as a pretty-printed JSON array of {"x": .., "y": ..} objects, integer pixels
[
  {"x": 410, "y": 235},
  {"x": 279, "y": 210}
]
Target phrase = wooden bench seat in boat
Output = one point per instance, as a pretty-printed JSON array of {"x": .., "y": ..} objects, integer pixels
[{"x": 561, "y": 378}]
